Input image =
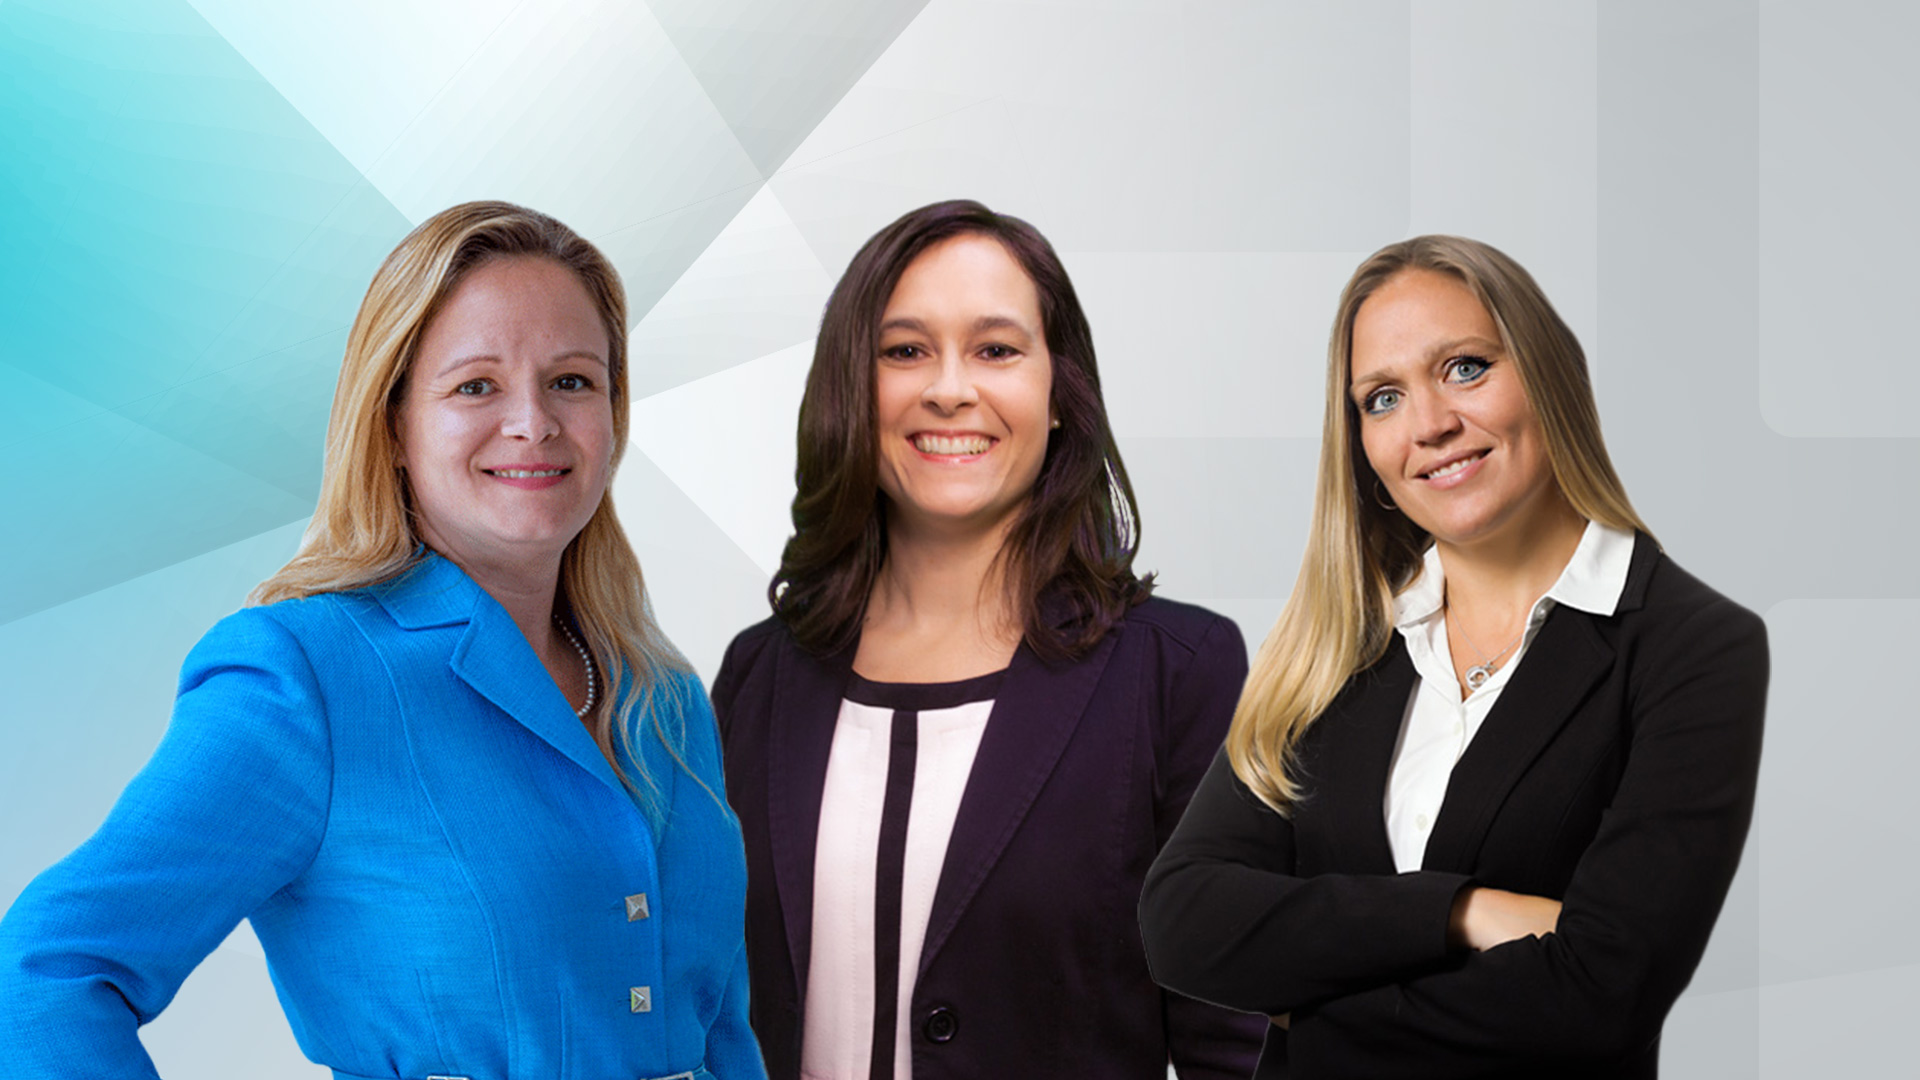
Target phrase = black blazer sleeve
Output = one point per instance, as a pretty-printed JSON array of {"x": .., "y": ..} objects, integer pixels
[
  {"x": 1227, "y": 920},
  {"x": 1194, "y": 709}
]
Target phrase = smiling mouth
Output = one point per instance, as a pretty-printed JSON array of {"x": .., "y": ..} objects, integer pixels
[
  {"x": 1447, "y": 470},
  {"x": 525, "y": 474},
  {"x": 952, "y": 445}
]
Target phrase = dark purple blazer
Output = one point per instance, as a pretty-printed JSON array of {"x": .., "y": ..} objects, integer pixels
[
  {"x": 1032, "y": 964},
  {"x": 1616, "y": 773}
]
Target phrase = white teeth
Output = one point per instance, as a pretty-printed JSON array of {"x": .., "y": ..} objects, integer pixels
[
  {"x": 952, "y": 444},
  {"x": 525, "y": 474},
  {"x": 1449, "y": 470}
]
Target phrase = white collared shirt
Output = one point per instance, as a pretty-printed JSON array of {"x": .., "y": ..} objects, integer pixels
[{"x": 1438, "y": 724}]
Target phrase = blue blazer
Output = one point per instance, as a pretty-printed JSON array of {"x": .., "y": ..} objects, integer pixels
[{"x": 446, "y": 875}]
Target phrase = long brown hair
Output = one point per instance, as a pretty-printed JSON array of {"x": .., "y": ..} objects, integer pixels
[
  {"x": 362, "y": 531},
  {"x": 1339, "y": 619},
  {"x": 1071, "y": 548}
]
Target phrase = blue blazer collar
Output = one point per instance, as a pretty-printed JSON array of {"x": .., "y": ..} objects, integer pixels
[{"x": 492, "y": 656}]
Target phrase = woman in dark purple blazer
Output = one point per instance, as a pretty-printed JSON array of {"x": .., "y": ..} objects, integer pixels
[{"x": 964, "y": 734}]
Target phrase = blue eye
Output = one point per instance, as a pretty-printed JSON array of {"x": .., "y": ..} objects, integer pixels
[
  {"x": 1467, "y": 369},
  {"x": 1380, "y": 402}
]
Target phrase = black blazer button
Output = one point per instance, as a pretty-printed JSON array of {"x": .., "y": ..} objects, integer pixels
[{"x": 941, "y": 1025}]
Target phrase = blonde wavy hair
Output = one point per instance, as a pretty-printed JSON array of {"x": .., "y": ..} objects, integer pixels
[
  {"x": 1339, "y": 619},
  {"x": 363, "y": 532}
]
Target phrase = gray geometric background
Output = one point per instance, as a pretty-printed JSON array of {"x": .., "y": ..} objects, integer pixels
[{"x": 1717, "y": 195}]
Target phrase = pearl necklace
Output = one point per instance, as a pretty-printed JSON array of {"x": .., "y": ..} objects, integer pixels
[
  {"x": 586, "y": 658},
  {"x": 1478, "y": 674}
]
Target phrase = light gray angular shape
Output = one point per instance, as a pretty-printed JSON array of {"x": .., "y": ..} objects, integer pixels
[
  {"x": 637, "y": 907},
  {"x": 653, "y": 252},
  {"x": 1850, "y": 1025},
  {"x": 1211, "y": 343},
  {"x": 1222, "y": 518},
  {"x": 1229, "y": 126},
  {"x": 728, "y": 441},
  {"x": 774, "y": 68},
  {"x": 1822, "y": 790},
  {"x": 702, "y": 587},
  {"x": 755, "y": 290},
  {"x": 1471, "y": 126},
  {"x": 1838, "y": 168}
]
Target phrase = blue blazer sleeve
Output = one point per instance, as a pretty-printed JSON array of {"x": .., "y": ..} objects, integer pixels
[{"x": 231, "y": 807}]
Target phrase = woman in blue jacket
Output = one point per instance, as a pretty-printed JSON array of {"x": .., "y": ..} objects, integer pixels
[{"x": 465, "y": 790}]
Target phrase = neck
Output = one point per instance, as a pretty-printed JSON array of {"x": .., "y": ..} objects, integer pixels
[
  {"x": 943, "y": 580},
  {"x": 525, "y": 591},
  {"x": 1506, "y": 574}
]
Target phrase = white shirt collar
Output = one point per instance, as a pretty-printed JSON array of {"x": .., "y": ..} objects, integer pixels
[{"x": 1592, "y": 580}]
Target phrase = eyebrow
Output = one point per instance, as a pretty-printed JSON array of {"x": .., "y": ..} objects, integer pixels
[
  {"x": 1456, "y": 345},
  {"x": 477, "y": 358},
  {"x": 980, "y": 325}
]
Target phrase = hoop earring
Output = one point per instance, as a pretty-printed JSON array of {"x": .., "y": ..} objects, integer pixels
[{"x": 1380, "y": 497}]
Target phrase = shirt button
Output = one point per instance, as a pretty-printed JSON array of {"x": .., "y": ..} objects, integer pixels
[
  {"x": 941, "y": 1025},
  {"x": 1421, "y": 821},
  {"x": 640, "y": 999},
  {"x": 637, "y": 907}
]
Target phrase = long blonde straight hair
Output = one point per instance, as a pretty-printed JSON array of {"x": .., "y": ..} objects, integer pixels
[
  {"x": 1339, "y": 619},
  {"x": 362, "y": 532}
]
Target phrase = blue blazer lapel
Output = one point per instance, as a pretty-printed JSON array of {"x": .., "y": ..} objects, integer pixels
[
  {"x": 493, "y": 657},
  {"x": 1034, "y": 716},
  {"x": 807, "y": 694}
]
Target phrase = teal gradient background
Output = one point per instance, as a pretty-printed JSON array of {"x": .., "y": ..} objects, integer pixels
[{"x": 193, "y": 196}]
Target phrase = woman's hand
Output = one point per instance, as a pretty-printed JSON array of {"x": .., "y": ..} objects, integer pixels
[
  {"x": 1281, "y": 1020},
  {"x": 1483, "y": 918}
]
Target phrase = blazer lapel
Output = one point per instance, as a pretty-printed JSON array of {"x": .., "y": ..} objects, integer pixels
[
  {"x": 1562, "y": 665},
  {"x": 1358, "y": 742},
  {"x": 807, "y": 695},
  {"x": 1034, "y": 716},
  {"x": 493, "y": 657}
]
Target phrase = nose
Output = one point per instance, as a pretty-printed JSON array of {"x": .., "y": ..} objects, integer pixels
[
  {"x": 1434, "y": 418},
  {"x": 529, "y": 416},
  {"x": 950, "y": 387}
]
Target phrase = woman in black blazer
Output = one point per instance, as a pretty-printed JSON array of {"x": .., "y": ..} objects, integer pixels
[
  {"x": 1490, "y": 778},
  {"x": 967, "y": 729}
]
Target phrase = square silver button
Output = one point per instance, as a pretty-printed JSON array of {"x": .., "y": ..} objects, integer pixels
[
  {"x": 640, "y": 999},
  {"x": 637, "y": 907}
]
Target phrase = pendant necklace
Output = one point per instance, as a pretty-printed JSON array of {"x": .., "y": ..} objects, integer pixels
[{"x": 1478, "y": 674}]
